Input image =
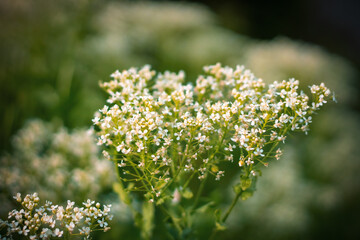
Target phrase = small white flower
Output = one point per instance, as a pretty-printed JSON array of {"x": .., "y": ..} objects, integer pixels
[
  {"x": 70, "y": 227},
  {"x": 88, "y": 203},
  {"x": 102, "y": 222},
  {"x": 85, "y": 231},
  {"x": 18, "y": 197}
]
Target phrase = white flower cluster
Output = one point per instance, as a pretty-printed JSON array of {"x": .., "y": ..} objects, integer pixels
[
  {"x": 54, "y": 221},
  {"x": 157, "y": 130},
  {"x": 47, "y": 159}
]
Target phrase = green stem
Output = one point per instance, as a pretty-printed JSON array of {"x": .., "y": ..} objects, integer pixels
[
  {"x": 201, "y": 187},
  {"x": 189, "y": 179},
  {"x": 198, "y": 194},
  {"x": 232, "y": 206},
  {"x": 140, "y": 177},
  {"x": 122, "y": 185},
  {"x": 179, "y": 169},
  {"x": 215, "y": 230}
]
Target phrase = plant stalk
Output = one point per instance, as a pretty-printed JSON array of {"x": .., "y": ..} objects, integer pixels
[{"x": 232, "y": 206}]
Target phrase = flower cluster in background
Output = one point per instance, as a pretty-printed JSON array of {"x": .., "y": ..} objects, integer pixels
[
  {"x": 56, "y": 163},
  {"x": 155, "y": 40},
  {"x": 309, "y": 63},
  {"x": 54, "y": 221}
]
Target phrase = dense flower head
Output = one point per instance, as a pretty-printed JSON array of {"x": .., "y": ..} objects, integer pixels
[
  {"x": 158, "y": 128},
  {"x": 53, "y": 221}
]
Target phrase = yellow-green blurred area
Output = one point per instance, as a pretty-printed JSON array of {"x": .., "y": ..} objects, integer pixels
[{"x": 54, "y": 53}]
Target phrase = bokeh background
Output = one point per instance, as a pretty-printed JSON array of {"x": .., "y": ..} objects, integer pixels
[{"x": 54, "y": 53}]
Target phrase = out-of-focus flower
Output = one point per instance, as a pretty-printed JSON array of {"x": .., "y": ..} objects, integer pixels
[
  {"x": 283, "y": 58},
  {"x": 56, "y": 163}
]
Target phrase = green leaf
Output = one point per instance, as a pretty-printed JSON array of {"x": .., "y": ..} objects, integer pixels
[
  {"x": 130, "y": 186},
  {"x": 245, "y": 195},
  {"x": 162, "y": 200},
  {"x": 160, "y": 184},
  {"x": 220, "y": 227},
  {"x": 124, "y": 196},
  {"x": 245, "y": 183},
  {"x": 148, "y": 195},
  {"x": 187, "y": 194},
  {"x": 205, "y": 207},
  {"x": 237, "y": 188}
]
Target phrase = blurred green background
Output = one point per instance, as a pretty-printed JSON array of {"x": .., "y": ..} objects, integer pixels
[{"x": 54, "y": 53}]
